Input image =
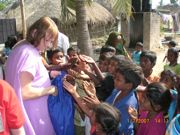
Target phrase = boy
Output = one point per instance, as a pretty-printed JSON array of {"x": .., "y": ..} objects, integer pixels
[
  {"x": 136, "y": 54},
  {"x": 147, "y": 62}
]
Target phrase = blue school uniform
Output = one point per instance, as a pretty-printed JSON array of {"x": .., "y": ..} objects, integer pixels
[
  {"x": 126, "y": 126},
  {"x": 136, "y": 57}
]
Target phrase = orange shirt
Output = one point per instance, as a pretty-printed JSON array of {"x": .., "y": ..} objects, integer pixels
[{"x": 11, "y": 115}]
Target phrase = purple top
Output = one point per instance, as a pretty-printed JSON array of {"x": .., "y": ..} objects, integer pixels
[
  {"x": 154, "y": 126},
  {"x": 26, "y": 57}
]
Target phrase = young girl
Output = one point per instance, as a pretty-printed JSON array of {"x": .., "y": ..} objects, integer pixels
[
  {"x": 169, "y": 79},
  {"x": 154, "y": 105},
  {"x": 172, "y": 57}
]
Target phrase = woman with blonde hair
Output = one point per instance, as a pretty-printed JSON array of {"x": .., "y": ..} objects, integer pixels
[{"x": 28, "y": 76}]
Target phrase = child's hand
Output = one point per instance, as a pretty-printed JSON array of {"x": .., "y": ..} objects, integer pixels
[
  {"x": 69, "y": 87},
  {"x": 133, "y": 113},
  {"x": 91, "y": 101},
  {"x": 89, "y": 88},
  {"x": 86, "y": 59}
]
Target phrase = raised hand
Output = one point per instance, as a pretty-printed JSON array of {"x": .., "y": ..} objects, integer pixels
[
  {"x": 69, "y": 87},
  {"x": 91, "y": 101},
  {"x": 133, "y": 113},
  {"x": 86, "y": 59},
  {"x": 89, "y": 88}
]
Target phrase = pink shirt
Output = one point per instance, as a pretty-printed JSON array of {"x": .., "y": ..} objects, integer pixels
[
  {"x": 26, "y": 57},
  {"x": 155, "y": 126}
]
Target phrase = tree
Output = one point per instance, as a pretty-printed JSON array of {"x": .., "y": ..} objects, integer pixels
[
  {"x": 83, "y": 36},
  {"x": 121, "y": 7}
]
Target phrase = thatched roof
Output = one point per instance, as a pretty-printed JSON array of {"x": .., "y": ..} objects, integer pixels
[
  {"x": 96, "y": 14},
  {"x": 169, "y": 9}
]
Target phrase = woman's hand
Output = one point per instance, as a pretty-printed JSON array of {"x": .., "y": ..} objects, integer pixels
[
  {"x": 54, "y": 91},
  {"x": 89, "y": 88}
]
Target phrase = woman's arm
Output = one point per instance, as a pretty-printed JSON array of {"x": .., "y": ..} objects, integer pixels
[{"x": 29, "y": 92}]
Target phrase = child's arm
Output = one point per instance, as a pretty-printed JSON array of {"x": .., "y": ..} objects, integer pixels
[{"x": 72, "y": 90}]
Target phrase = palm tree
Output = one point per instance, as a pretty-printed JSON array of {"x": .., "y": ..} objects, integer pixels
[{"x": 121, "y": 7}]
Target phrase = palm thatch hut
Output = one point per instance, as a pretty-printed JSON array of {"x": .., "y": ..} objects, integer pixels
[{"x": 99, "y": 19}]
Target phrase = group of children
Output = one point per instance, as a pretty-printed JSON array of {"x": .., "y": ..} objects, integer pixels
[{"x": 120, "y": 95}]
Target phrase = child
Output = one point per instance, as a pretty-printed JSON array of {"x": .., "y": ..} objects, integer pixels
[
  {"x": 128, "y": 76},
  {"x": 108, "y": 51},
  {"x": 56, "y": 57},
  {"x": 106, "y": 86},
  {"x": 156, "y": 101},
  {"x": 136, "y": 54},
  {"x": 104, "y": 118},
  {"x": 172, "y": 57},
  {"x": 169, "y": 79},
  {"x": 147, "y": 62},
  {"x": 174, "y": 127},
  {"x": 71, "y": 52},
  {"x": 103, "y": 63},
  {"x": 171, "y": 44}
]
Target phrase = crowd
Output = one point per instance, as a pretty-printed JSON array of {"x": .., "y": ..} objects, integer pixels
[{"x": 51, "y": 89}]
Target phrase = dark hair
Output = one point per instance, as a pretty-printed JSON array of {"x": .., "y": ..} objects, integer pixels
[
  {"x": 70, "y": 49},
  {"x": 50, "y": 53},
  {"x": 139, "y": 44},
  {"x": 158, "y": 94},
  {"x": 106, "y": 49},
  {"x": 170, "y": 73},
  {"x": 118, "y": 58},
  {"x": 104, "y": 57},
  {"x": 172, "y": 43},
  {"x": 131, "y": 72},
  {"x": 108, "y": 117},
  {"x": 150, "y": 55},
  {"x": 175, "y": 51},
  {"x": 11, "y": 41}
]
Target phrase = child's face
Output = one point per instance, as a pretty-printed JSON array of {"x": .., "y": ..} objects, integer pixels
[
  {"x": 72, "y": 54},
  {"x": 120, "y": 82},
  {"x": 167, "y": 80},
  {"x": 112, "y": 67},
  {"x": 58, "y": 58},
  {"x": 138, "y": 48},
  {"x": 144, "y": 103},
  {"x": 171, "y": 56},
  {"x": 103, "y": 65},
  {"x": 146, "y": 64}
]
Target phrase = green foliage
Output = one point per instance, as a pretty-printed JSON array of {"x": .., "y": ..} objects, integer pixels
[
  {"x": 5, "y": 3},
  {"x": 2, "y": 6},
  {"x": 68, "y": 8},
  {"x": 122, "y": 7}
]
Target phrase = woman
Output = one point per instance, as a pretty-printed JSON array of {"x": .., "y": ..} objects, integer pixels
[{"x": 27, "y": 74}]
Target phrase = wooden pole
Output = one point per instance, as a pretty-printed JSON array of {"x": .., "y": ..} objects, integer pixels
[{"x": 23, "y": 18}]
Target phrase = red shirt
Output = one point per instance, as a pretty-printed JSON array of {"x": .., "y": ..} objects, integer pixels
[{"x": 11, "y": 115}]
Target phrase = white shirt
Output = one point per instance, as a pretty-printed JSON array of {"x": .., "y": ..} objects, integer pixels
[{"x": 63, "y": 42}]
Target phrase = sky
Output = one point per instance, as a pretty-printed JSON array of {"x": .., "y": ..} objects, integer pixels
[{"x": 155, "y": 3}]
